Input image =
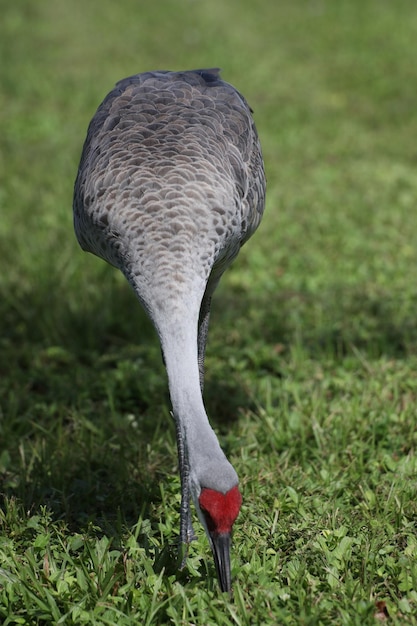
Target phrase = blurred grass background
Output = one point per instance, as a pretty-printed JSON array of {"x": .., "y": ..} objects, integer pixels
[{"x": 312, "y": 349}]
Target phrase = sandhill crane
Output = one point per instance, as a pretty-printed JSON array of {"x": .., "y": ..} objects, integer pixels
[{"x": 170, "y": 185}]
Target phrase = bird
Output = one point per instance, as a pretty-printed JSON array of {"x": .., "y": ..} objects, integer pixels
[{"x": 170, "y": 185}]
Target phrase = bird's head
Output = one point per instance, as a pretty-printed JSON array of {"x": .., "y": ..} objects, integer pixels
[{"x": 218, "y": 512}]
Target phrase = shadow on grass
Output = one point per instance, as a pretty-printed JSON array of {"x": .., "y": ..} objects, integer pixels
[
  {"x": 86, "y": 426},
  {"x": 72, "y": 382},
  {"x": 328, "y": 324}
]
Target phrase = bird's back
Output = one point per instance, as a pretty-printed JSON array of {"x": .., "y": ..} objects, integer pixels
[{"x": 171, "y": 177}]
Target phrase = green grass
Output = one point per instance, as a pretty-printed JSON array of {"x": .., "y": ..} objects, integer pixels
[{"x": 312, "y": 356}]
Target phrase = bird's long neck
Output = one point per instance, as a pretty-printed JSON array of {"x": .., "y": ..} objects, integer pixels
[
  {"x": 207, "y": 463},
  {"x": 179, "y": 345}
]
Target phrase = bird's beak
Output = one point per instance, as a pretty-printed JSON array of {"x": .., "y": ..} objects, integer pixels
[{"x": 220, "y": 545}]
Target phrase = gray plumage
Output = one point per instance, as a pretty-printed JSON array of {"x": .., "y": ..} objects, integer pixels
[{"x": 170, "y": 186}]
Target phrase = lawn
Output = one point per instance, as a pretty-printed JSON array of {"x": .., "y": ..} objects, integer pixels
[{"x": 312, "y": 354}]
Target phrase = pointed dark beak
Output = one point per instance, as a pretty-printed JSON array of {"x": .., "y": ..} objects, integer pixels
[{"x": 220, "y": 545}]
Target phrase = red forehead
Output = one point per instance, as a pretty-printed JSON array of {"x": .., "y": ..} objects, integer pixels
[{"x": 220, "y": 509}]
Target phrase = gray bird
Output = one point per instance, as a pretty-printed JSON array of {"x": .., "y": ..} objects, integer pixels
[{"x": 170, "y": 185}]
